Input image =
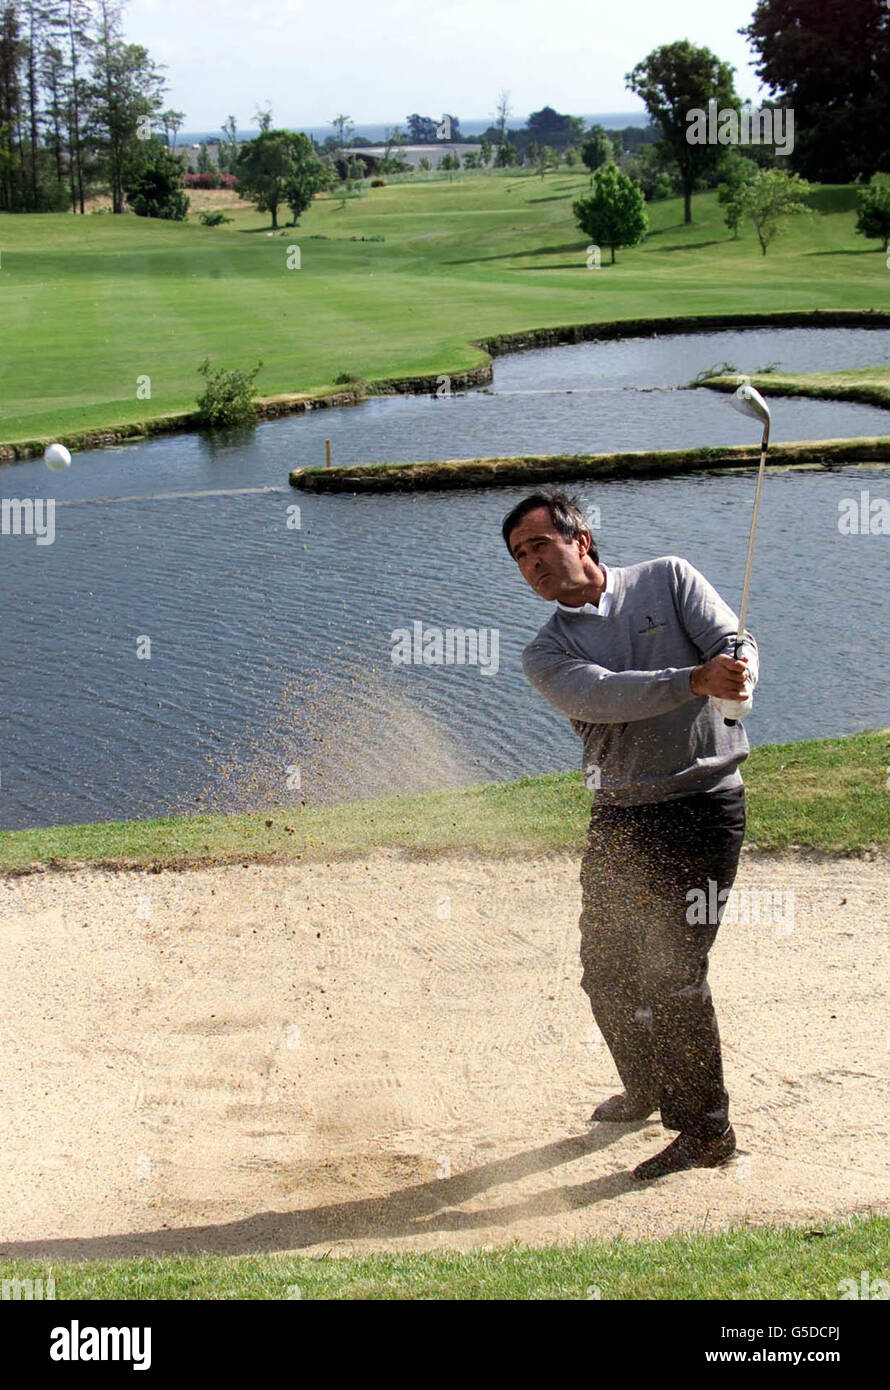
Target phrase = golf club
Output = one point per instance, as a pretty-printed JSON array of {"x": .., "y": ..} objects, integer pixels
[{"x": 750, "y": 402}]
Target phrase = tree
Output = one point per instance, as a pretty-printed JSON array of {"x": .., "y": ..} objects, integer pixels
[
  {"x": 546, "y": 158},
  {"x": 308, "y": 176},
  {"x": 421, "y": 129},
  {"x": 770, "y": 198},
  {"x": 267, "y": 167},
  {"x": 11, "y": 52},
  {"x": 344, "y": 128},
  {"x": 154, "y": 186},
  {"x": 738, "y": 173},
  {"x": 502, "y": 115},
  {"x": 263, "y": 117},
  {"x": 228, "y": 150},
  {"x": 873, "y": 210},
  {"x": 652, "y": 168},
  {"x": 72, "y": 98},
  {"x": 171, "y": 123},
  {"x": 75, "y": 20},
  {"x": 550, "y": 127},
  {"x": 505, "y": 157},
  {"x": 613, "y": 214},
  {"x": 485, "y": 151},
  {"x": 53, "y": 78},
  {"x": 125, "y": 92},
  {"x": 36, "y": 17},
  {"x": 597, "y": 149},
  {"x": 672, "y": 81},
  {"x": 830, "y": 64}
]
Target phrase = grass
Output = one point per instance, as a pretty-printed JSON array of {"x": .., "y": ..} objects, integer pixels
[
  {"x": 92, "y": 303},
  {"x": 870, "y": 385},
  {"x": 806, "y": 1262},
  {"x": 825, "y": 794}
]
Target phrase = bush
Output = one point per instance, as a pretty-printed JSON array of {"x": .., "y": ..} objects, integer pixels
[
  {"x": 212, "y": 179},
  {"x": 873, "y": 211},
  {"x": 153, "y": 185},
  {"x": 228, "y": 397},
  {"x": 214, "y": 219},
  {"x": 378, "y": 183},
  {"x": 358, "y": 383}
]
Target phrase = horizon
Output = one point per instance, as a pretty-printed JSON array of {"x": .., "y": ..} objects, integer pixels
[{"x": 366, "y": 129}]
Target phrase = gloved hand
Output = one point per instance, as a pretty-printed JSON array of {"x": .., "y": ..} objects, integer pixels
[
  {"x": 734, "y": 709},
  {"x": 740, "y": 709}
]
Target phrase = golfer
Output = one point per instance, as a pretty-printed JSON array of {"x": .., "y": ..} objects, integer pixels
[{"x": 631, "y": 655}]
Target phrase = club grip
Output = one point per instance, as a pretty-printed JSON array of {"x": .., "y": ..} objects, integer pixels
[{"x": 731, "y": 723}]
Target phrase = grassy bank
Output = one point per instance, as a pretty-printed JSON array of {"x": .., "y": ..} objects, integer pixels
[
  {"x": 445, "y": 474},
  {"x": 868, "y": 385},
  {"x": 401, "y": 282},
  {"x": 805, "y": 1262},
  {"x": 824, "y": 794}
]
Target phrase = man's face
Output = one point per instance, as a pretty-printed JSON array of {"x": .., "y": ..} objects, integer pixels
[{"x": 551, "y": 565}]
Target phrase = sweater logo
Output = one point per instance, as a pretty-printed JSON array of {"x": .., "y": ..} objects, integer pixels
[{"x": 652, "y": 626}]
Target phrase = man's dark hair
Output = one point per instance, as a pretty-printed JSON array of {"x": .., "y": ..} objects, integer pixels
[{"x": 565, "y": 514}]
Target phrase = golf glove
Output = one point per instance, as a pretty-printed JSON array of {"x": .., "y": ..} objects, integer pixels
[
  {"x": 740, "y": 709},
  {"x": 734, "y": 709}
]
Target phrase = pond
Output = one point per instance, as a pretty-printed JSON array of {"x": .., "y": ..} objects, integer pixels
[{"x": 269, "y": 676}]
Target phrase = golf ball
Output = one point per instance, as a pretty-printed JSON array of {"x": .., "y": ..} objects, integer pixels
[{"x": 56, "y": 457}]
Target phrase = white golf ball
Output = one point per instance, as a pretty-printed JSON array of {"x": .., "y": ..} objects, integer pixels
[{"x": 56, "y": 457}]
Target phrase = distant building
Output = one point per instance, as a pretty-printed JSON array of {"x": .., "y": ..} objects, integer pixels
[{"x": 412, "y": 154}]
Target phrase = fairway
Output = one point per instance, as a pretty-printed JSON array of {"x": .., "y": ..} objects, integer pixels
[{"x": 101, "y": 310}]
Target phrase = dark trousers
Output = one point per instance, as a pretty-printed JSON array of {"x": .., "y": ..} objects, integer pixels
[{"x": 651, "y": 883}]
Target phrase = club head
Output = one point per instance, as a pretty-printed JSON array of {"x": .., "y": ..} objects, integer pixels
[{"x": 750, "y": 402}]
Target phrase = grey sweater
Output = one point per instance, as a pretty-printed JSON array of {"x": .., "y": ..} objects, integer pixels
[{"x": 623, "y": 682}]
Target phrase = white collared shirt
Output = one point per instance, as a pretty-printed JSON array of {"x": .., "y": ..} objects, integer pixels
[{"x": 600, "y": 610}]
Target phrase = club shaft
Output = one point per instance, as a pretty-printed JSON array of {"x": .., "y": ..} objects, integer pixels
[{"x": 743, "y": 610}]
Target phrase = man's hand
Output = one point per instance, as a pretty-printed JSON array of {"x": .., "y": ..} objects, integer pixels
[{"x": 723, "y": 677}]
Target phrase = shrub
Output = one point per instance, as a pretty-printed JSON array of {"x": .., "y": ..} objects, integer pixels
[
  {"x": 228, "y": 397},
  {"x": 153, "y": 185},
  {"x": 357, "y": 383},
  {"x": 873, "y": 211},
  {"x": 378, "y": 183},
  {"x": 214, "y": 219},
  {"x": 211, "y": 179}
]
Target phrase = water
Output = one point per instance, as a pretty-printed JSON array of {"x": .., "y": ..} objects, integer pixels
[{"x": 270, "y": 679}]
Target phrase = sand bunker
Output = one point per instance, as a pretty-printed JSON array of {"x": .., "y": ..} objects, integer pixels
[{"x": 393, "y": 1053}]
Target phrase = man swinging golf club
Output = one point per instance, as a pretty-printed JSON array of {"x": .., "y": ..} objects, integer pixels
[{"x": 653, "y": 671}]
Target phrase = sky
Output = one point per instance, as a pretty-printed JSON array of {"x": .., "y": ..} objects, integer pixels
[{"x": 379, "y": 62}]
